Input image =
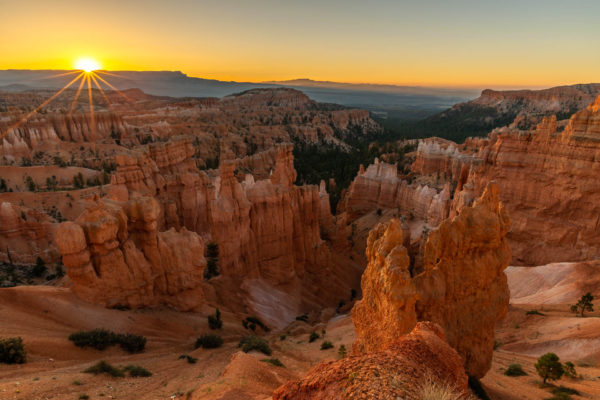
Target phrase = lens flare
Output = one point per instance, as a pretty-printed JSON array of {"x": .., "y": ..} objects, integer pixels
[{"x": 87, "y": 64}]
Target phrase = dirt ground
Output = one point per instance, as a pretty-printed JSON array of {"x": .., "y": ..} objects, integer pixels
[{"x": 44, "y": 316}]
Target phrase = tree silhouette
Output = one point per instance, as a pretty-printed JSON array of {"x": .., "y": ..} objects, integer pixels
[{"x": 584, "y": 304}]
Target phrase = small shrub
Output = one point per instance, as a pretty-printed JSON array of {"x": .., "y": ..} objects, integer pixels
[
  {"x": 432, "y": 389},
  {"x": 282, "y": 337},
  {"x": 497, "y": 344},
  {"x": 569, "y": 369},
  {"x": 12, "y": 351},
  {"x": 100, "y": 339},
  {"x": 535, "y": 312},
  {"x": 77, "y": 383},
  {"x": 565, "y": 392},
  {"x": 303, "y": 318},
  {"x": 251, "y": 342},
  {"x": 326, "y": 345},
  {"x": 273, "y": 361},
  {"x": 84, "y": 397},
  {"x": 190, "y": 359},
  {"x": 102, "y": 367},
  {"x": 135, "y": 371},
  {"x": 342, "y": 352},
  {"x": 313, "y": 336},
  {"x": 209, "y": 341},
  {"x": 132, "y": 343},
  {"x": 214, "y": 321},
  {"x": 253, "y": 322},
  {"x": 515, "y": 370}
]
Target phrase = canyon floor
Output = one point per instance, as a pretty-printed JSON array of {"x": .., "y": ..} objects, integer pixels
[{"x": 44, "y": 316}]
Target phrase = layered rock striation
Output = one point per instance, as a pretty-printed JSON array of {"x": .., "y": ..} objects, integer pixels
[
  {"x": 379, "y": 186},
  {"x": 546, "y": 179}
]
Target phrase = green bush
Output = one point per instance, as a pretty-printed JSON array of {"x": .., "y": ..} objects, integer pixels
[
  {"x": 251, "y": 342},
  {"x": 12, "y": 351},
  {"x": 273, "y": 361},
  {"x": 569, "y": 369},
  {"x": 209, "y": 341},
  {"x": 549, "y": 367},
  {"x": 313, "y": 336},
  {"x": 135, "y": 371},
  {"x": 102, "y": 367},
  {"x": 214, "y": 321},
  {"x": 514, "y": 370},
  {"x": 132, "y": 343},
  {"x": 84, "y": 397},
  {"x": 326, "y": 345},
  {"x": 100, "y": 339}
]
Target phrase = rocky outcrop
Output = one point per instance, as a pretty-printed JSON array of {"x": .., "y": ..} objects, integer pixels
[
  {"x": 462, "y": 287},
  {"x": 381, "y": 187},
  {"x": 401, "y": 370},
  {"x": 546, "y": 179},
  {"x": 25, "y": 234},
  {"x": 21, "y": 140},
  {"x": 115, "y": 256},
  {"x": 271, "y": 254}
]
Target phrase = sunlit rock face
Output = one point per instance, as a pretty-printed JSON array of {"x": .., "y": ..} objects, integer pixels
[
  {"x": 271, "y": 254},
  {"x": 399, "y": 370},
  {"x": 546, "y": 179},
  {"x": 462, "y": 287}
]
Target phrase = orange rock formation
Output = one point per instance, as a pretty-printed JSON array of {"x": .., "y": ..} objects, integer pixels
[
  {"x": 547, "y": 179},
  {"x": 115, "y": 256},
  {"x": 399, "y": 370},
  {"x": 462, "y": 287}
]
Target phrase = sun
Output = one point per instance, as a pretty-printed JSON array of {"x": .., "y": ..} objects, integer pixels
[{"x": 87, "y": 64}]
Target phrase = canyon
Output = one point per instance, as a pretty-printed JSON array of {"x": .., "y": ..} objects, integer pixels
[{"x": 420, "y": 270}]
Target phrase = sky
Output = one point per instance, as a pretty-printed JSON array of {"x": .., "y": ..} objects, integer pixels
[{"x": 453, "y": 43}]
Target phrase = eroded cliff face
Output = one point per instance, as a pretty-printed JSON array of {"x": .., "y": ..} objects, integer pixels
[
  {"x": 381, "y": 187},
  {"x": 115, "y": 256},
  {"x": 462, "y": 287},
  {"x": 271, "y": 255},
  {"x": 547, "y": 179},
  {"x": 399, "y": 370},
  {"x": 25, "y": 234},
  {"x": 53, "y": 129}
]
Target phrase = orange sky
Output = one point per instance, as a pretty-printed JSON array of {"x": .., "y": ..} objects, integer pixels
[{"x": 477, "y": 43}]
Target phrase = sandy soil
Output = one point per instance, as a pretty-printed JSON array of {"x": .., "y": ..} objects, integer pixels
[
  {"x": 45, "y": 316},
  {"x": 524, "y": 334}
]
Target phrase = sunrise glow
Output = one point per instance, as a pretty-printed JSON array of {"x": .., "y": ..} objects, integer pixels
[{"x": 87, "y": 64}]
